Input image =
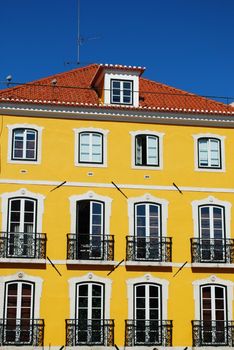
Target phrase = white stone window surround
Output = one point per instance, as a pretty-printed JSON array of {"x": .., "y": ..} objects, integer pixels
[
  {"x": 11, "y": 129},
  {"x": 104, "y": 147},
  {"x": 148, "y": 278},
  {"x": 90, "y": 195},
  {"x": 90, "y": 278},
  {"x": 133, "y": 148},
  {"x": 222, "y": 152},
  {"x": 22, "y": 193},
  {"x": 116, "y": 75},
  {"x": 148, "y": 198},
  {"x": 213, "y": 280},
  {"x": 22, "y": 277},
  {"x": 211, "y": 201}
]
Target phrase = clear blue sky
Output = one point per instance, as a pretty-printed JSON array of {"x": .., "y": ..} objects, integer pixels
[{"x": 188, "y": 44}]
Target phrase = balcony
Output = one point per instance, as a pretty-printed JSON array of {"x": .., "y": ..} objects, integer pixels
[
  {"x": 25, "y": 245},
  {"x": 156, "y": 249},
  {"x": 212, "y": 250},
  {"x": 17, "y": 332},
  {"x": 89, "y": 332},
  {"x": 90, "y": 247},
  {"x": 148, "y": 333},
  {"x": 213, "y": 333}
]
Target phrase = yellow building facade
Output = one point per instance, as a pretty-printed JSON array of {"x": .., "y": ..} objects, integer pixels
[{"x": 116, "y": 214}]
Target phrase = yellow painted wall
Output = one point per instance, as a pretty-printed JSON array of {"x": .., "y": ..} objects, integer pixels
[{"x": 58, "y": 165}]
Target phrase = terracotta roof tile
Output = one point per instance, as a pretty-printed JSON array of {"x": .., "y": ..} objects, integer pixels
[{"x": 74, "y": 88}]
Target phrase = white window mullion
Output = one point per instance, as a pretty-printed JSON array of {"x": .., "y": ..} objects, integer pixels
[
  {"x": 22, "y": 211},
  {"x": 24, "y": 143},
  {"x": 89, "y": 314},
  {"x": 147, "y": 308},
  {"x": 213, "y": 302},
  {"x": 90, "y": 147},
  {"x": 211, "y": 211},
  {"x": 90, "y": 220},
  {"x": 19, "y": 299},
  {"x": 147, "y": 220}
]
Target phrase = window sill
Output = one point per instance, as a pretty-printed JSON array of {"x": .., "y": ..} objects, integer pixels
[
  {"x": 213, "y": 265},
  {"x": 22, "y": 261},
  {"x": 149, "y": 263},
  {"x": 92, "y": 262},
  {"x": 147, "y": 167},
  {"x": 32, "y": 162},
  {"x": 91, "y": 165},
  {"x": 211, "y": 170},
  {"x": 88, "y": 347}
]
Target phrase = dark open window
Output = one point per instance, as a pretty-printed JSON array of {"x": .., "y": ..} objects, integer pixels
[
  {"x": 147, "y": 150},
  {"x": 90, "y": 229}
]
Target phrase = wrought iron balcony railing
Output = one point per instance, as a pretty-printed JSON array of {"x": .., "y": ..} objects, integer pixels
[
  {"x": 21, "y": 332},
  {"x": 213, "y": 333},
  {"x": 148, "y": 248},
  {"x": 148, "y": 332},
  {"x": 90, "y": 247},
  {"x": 22, "y": 245},
  {"x": 212, "y": 250},
  {"x": 89, "y": 332}
]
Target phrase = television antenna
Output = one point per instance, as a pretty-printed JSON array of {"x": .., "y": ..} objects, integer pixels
[{"x": 80, "y": 39}]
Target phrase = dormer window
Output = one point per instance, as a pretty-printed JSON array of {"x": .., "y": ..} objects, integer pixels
[
  {"x": 118, "y": 85},
  {"x": 121, "y": 91}
]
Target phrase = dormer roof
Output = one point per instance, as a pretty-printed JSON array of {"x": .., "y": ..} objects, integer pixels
[
  {"x": 116, "y": 67},
  {"x": 75, "y": 88}
]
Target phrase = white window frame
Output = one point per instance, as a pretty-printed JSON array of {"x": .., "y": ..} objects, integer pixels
[
  {"x": 211, "y": 201},
  {"x": 213, "y": 306},
  {"x": 147, "y": 217},
  {"x": 222, "y": 152},
  {"x": 22, "y": 193},
  {"x": 121, "y": 90},
  {"x": 22, "y": 277},
  {"x": 148, "y": 198},
  {"x": 104, "y": 147},
  {"x": 90, "y": 277},
  {"x": 212, "y": 280},
  {"x": 19, "y": 298},
  {"x": 11, "y": 129},
  {"x": 159, "y": 135},
  {"x": 147, "y": 279},
  {"x": 89, "y": 298},
  {"x": 116, "y": 75},
  {"x": 91, "y": 196}
]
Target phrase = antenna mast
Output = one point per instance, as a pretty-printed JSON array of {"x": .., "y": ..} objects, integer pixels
[{"x": 78, "y": 32}]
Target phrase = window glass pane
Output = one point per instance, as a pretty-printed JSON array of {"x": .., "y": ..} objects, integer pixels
[
  {"x": 152, "y": 151},
  {"x": 116, "y": 84},
  {"x": 140, "y": 291},
  {"x": 214, "y": 145},
  {"x": 30, "y": 154},
  {"x": 96, "y": 290},
  {"x": 140, "y": 209},
  {"x": 83, "y": 290},
  {"x": 127, "y": 99},
  {"x": 127, "y": 85},
  {"x": 139, "y": 150},
  {"x": 31, "y": 135}
]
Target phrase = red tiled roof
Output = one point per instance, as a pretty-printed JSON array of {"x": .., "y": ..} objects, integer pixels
[{"x": 74, "y": 88}]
